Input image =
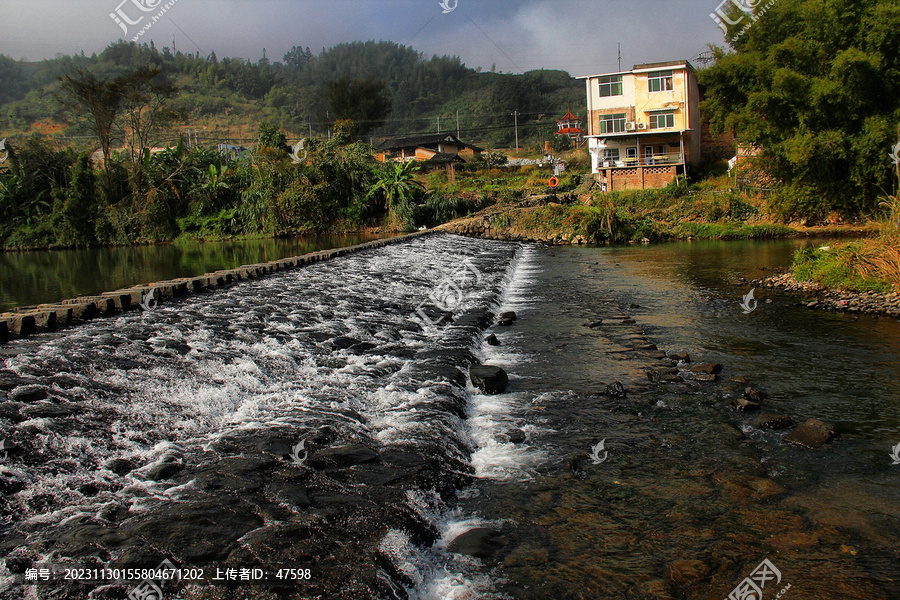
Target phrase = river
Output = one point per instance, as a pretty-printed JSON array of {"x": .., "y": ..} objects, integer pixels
[{"x": 313, "y": 420}]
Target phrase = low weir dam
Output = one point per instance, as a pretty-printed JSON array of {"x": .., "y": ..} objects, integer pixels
[{"x": 313, "y": 434}]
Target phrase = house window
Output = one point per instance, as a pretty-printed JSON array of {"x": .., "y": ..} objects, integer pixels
[
  {"x": 614, "y": 123},
  {"x": 611, "y": 86},
  {"x": 631, "y": 155},
  {"x": 659, "y": 81},
  {"x": 610, "y": 155},
  {"x": 662, "y": 120}
]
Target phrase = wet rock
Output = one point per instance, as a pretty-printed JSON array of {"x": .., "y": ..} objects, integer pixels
[
  {"x": 7, "y": 446},
  {"x": 345, "y": 456},
  {"x": 616, "y": 390},
  {"x": 596, "y": 324},
  {"x": 508, "y": 315},
  {"x": 740, "y": 380},
  {"x": 28, "y": 393},
  {"x": 744, "y": 405},
  {"x": 11, "y": 412},
  {"x": 680, "y": 356},
  {"x": 628, "y": 321},
  {"x": 755, "y": 395},
  {"x": 119, "y": 466},
  {"x": 703, "y": 377},
  {"x": 479, "y": 542},
  {"x": 45, "y": 410},
  {"x": 489, "y": 379},
  {"x": 505, "y": 322},
  {"x": 492, "y": 340},
  {"x": 293, "y": 496},
  {"x": 516, "y": 436},
  {"x": 811, "y": 434},
  {"x": 774, "y": 422},
  {"x": 342, "y": 343},
  {"x": 705, "y": 368},
  {"x": 686, "y": 572},
  {"x": 164, "y": 471},
  {"x": 634, "y": 305}
]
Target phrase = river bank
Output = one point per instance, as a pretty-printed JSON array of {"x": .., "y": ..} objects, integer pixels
[{"x": 817, "y": 296}]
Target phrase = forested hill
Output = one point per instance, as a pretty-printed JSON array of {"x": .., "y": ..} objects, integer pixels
[{"x": 226, "y": 99}]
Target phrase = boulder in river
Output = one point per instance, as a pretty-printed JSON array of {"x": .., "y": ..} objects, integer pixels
[
  {"x": 508, "y": 315},
  {"x": 516, "y": 436},
  {"x": 489, "y": 379},
  {"x": 492, "y": 340},
  {"x": 616, "y": 390},
  {"x": 755, "y": 395},
  {"x": 680, "y": 357},
  {"x": 705, "y": 368},
  {"x": 774, "y": 421},
  {"x": 479, "y": 542},
  {"x": 811, "y": 434}
]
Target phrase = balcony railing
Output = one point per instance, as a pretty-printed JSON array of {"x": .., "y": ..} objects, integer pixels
[{"x": 670, "y": 158}]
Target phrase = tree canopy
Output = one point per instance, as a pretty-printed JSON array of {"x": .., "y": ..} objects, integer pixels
[{"x": 815, "y": 84}]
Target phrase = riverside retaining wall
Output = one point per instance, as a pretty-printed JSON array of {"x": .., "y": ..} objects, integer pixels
[{"x": 23, "y": 322}]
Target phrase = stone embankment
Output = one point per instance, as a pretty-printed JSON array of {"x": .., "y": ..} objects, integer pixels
[
  {"x": 23, "y": 322},
  {"x": 821, "y": 298}
]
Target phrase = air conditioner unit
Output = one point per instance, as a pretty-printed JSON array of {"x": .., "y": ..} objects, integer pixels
[
  {"x": 629, "y": 126},
  {"x": 642, "y": 126}
]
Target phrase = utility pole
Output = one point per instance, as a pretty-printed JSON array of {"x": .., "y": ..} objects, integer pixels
[
  {"x": 457, "y": 124},
  {"x": 309, "y": 122},
  {"x": 439, "y": 123},
  {"x": 516, "y": 117},
  {"x": 620, "y": 57}
]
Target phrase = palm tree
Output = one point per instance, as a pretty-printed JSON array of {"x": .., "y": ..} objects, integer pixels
[{"x": 398, "y": 184}]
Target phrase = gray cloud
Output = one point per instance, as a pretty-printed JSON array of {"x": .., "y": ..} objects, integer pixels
[{"x": 578, "y": 36}]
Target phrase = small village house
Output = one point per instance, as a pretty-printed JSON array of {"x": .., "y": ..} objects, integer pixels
[
  {"x": 434, "y": 149},
  {"x": 643, "y": 124}
]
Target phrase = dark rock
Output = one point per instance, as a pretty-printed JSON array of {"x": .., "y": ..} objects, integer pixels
[
  {"x": 740, "y": 379},
  {"x": 707, "y": 368},
  {"x": 492, "y": 340},
  {"x": 811, "y": 434},
  {"x": 294, "y": 496},
  {"x": 28, "y": 393},
  {"x": 10, "y": 412},
  {"x": 616, "y": 390},
  {"x": 596, "y": 324},
  {"x": 680, "y": 356},
  {"x": 505, "y": 322},
  {"x": 516, "y": 436},
  {"x": 489, "y": 379},
  {"x": 744, "y": 405},
  {"x": 508, "y": 315},
  {"x": 774, "y": 421},
  {"x": 634, "y": 305},
  {"x": 479, "y": 542},
  {"x": 120, "y": 466},
  {"x": 164, "y": 471},
  {"x": 755, "y": 395},
  {"x": 628, "y": 321},
  {"x": 45, "y": 410},
  {"x": 342, "y": 343},
  {"x": 346, "y": 456}
]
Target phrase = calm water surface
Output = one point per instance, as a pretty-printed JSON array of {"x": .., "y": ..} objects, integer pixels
[{"x": 44, "y": 276}]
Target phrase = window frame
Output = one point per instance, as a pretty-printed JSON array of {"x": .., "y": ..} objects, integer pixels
[
  {"x": 614, "y": 118},
  {"x": 611, "y": 83},
  {"x": 669, "y": 118},
  {"x": 665, "y": 81}
]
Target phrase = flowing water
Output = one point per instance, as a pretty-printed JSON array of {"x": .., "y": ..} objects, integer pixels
[{"x": 316, "y": 420}]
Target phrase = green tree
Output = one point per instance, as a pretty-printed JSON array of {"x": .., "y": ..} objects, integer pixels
[
  {"x": 365, "y": 102},
  {"x": 814, "y": 84},
  {"x": 396, "y": 182}
]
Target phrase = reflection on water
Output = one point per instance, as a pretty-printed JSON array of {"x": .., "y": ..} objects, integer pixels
[{"x": 45, "y": 276}]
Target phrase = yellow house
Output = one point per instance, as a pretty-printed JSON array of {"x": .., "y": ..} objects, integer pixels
[{"x": 643, "y": 124}]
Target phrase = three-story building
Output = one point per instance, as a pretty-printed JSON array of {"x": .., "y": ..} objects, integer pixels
[{"x": 643, "y": 124}]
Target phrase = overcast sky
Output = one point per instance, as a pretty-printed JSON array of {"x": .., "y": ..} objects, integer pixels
[{"x": 579, "y": 36}]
